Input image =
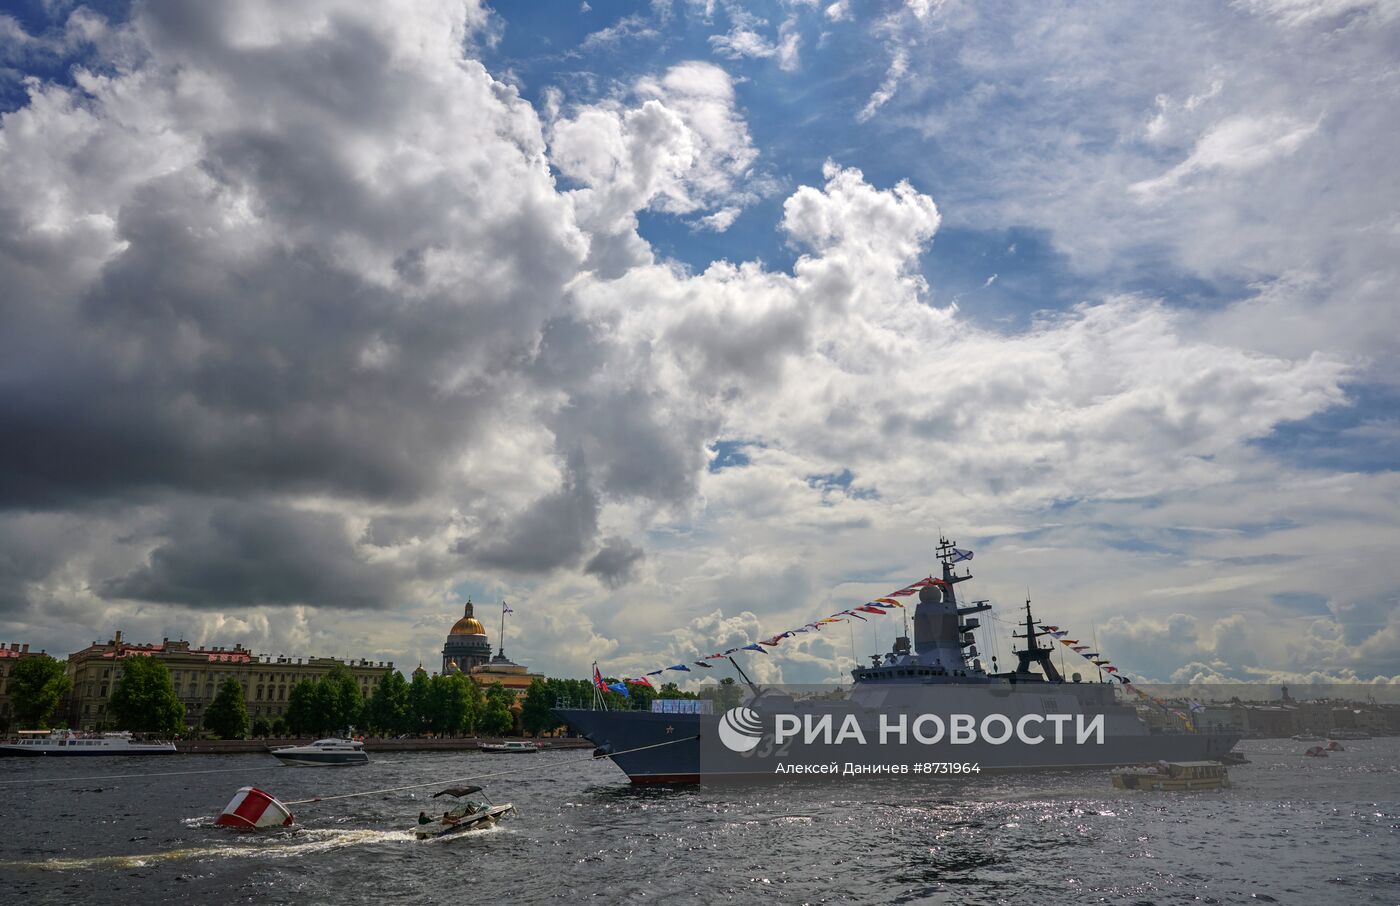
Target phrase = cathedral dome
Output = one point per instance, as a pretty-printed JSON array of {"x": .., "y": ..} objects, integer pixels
[
  {"x": 467, "y": 645},
  {"x": 468, "y": 625}
]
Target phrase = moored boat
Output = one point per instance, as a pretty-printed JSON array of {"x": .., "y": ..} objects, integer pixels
[
  {"x": 324, "y": 753},
  {"x": 1173, "y": 776},
  {"x": 67, "y": 743},
  {"x": 510, "y": 748}
]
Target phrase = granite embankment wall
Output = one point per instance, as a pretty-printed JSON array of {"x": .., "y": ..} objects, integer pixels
[{"x": 243, "y": 746}]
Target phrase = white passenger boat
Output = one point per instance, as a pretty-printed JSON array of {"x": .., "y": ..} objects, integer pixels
[
  {"x": 36, "y": 743},
  {"x": 324, "y": 753},
  {"x": 510, "y": 748}
]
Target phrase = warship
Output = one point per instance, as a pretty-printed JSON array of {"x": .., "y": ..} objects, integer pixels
[{"x": 908, "y": 711}]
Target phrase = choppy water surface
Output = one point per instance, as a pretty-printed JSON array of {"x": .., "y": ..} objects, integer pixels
[{"x": 1293, "y": 830}]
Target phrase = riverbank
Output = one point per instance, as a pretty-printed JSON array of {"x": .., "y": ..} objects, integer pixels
[{"x": 447, "y": 744}]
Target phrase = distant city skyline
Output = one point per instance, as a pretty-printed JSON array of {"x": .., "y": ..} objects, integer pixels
[{"x": 679, "y": 323}]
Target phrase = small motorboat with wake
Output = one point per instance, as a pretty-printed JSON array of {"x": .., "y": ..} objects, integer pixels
[
  {"x": 469, "y": 815},
  {"x": 324, "y": 753}
]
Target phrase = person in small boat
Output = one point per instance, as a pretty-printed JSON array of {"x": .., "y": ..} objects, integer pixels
[{"x": 424, "y": 819}]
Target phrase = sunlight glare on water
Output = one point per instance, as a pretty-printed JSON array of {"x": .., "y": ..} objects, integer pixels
[{"x": 1291, "y": 830}]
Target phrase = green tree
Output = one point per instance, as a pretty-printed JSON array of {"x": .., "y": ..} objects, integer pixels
[
  {"x": 301, "y": 714},
  {"x": 37, "y": 685},
  {"x": 387, "y": 708},
  {"x": 342, "y": 695},
  {"x": 227, "y": 716},
  {"x": 671, "y": 690},
  {"x": 537, "y": 710},
  {"x": 279, "y": 727},
  {"x": 418, "y": 703},
  {"x": 144, "y": 700},
  {"x": 447, "y": 704},
  {"x": 261, "y": 728},
  {"x": 725, "y": 694},
  {"x": 496, "y": 719},
  {"x": 476, "y": 705}
]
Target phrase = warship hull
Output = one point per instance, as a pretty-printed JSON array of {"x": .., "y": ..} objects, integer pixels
[{"x": 653, "y": 748}]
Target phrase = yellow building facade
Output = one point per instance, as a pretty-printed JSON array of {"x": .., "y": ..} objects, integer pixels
[{"x": 197, "y": 674}]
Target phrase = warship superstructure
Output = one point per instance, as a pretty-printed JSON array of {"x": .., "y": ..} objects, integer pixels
[{"x": 938, "y": 672}]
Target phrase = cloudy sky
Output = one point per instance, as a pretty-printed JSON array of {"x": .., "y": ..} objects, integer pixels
[{"x": 680, "y": 323}]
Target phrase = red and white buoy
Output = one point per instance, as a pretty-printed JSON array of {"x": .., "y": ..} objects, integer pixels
[{"x": 251, "y": 808}]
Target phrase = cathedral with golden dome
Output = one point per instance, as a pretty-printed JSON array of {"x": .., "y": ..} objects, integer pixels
[
  {"x": 468, "y": 652},
  {"x": 467, "y": 645}
]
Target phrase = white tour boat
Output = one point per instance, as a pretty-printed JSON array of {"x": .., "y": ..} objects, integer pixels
[
  {"x": 510, "y": 748},
  {"x": 36, "y": 743},
  {"x": 324, "y": 752}
]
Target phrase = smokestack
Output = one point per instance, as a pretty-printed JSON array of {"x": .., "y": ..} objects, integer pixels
[{"x": 25, "y": 649}]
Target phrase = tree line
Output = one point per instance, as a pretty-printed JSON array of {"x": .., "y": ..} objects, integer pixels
[{"x": 144, "y": 701}]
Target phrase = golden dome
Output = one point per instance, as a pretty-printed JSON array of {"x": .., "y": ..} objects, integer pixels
[{"x": 468, "y": 625}]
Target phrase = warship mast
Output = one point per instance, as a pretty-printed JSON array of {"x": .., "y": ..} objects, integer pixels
[{"x": 1033, "y": 653}]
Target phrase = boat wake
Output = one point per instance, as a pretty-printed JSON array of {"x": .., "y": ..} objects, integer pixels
[{"x": 281, "y": 846}]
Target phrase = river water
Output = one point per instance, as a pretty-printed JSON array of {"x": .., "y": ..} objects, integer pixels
[{"x": 1292, "y": 830}]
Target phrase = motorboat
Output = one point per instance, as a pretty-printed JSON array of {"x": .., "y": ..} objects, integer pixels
[
  {"x": 1174, "y": 776},
  {"x": 324, "y": 753},
  {"x": 469, "y": 815},
  {"x": 510, "y": 748},
  {"x": 34, "y": 743}
]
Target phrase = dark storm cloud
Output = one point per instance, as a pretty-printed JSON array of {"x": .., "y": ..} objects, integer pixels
[
  {"x": 634, "y": 445},
  {"x": 553, "y": 531},
  {"x": 279, "y": 271},
  {"x": 237, "y": 554},
  {"x": 180, "y": 374},
  {"x": 31, "y": 546},
  {"x": 616, "y": 563}
]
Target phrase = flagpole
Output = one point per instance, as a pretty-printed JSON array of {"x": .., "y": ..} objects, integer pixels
[
  {"x": 1095, "y": 630},
  {"x": 502, "y": 652},
  {"x": 854, "y": 663}
]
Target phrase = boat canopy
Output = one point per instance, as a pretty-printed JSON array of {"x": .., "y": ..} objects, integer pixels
[{"x": 458, "y": 791}]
